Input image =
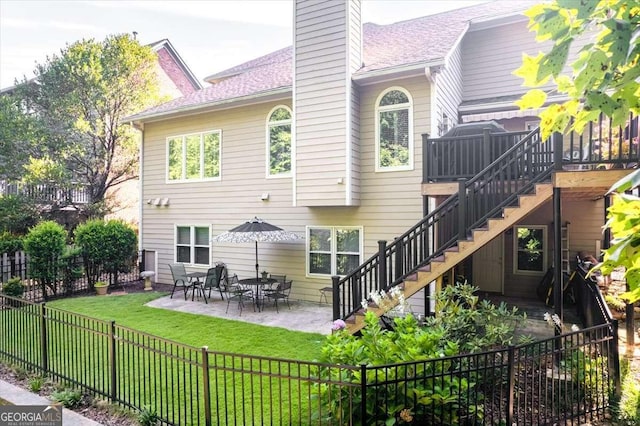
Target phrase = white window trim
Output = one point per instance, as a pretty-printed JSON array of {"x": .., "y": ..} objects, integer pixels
[
  {"x": 545, "y": 253},
  {"x": 268, "y": 142},
  {"x": 184, "y": 157},
  {"x": 192, "y": 245},
  {"x": 379, "y": 109},
  {"x": 333, "y": 251}
]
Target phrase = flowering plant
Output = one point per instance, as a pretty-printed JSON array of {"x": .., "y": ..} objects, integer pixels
[{"x": 393, "y": 299}]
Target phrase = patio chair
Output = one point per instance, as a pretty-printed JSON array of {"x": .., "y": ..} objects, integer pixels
[
  {"x": 238, "y": 292},
  {"x": 180, "y": 278},
  {"x": 281, "y": 292},
  {"x": 214, "y": 280},
  {"x": 273, "y": 287}
]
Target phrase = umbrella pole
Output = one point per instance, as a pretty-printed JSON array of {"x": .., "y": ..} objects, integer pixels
[{"x": 257, "y": 266}]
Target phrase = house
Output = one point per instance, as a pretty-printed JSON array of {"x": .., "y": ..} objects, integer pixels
[{"x": 336, "y": 139}]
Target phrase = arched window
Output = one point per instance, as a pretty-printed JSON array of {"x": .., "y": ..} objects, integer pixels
[
  {"x": 394, "y": 130},
  {"x": 279, "y": 142}
]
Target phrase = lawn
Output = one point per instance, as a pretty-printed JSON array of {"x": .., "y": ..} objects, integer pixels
[{"x": 218, "y": 334}]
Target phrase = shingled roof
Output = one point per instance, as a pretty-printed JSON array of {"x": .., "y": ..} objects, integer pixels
[{"x": 417, "y": 41}]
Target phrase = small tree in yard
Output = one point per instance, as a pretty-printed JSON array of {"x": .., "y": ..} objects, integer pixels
[
  {"x": 106, "y": 247},
  {"x": 121, "y": 248},
  {"x": 45, "y": 244}
]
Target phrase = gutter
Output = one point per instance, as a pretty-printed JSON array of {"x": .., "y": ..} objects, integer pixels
[
  {"x": 400, "y": 71},
  {"x": 205, "y": 106}
]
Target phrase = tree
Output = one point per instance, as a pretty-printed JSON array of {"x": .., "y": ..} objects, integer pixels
[
  {"x": 605, "y": 80},
  {"x": 20, "y": 138},
  {"x": 80, "y": 99}
]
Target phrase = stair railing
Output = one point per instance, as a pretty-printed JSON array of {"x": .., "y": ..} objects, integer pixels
[{"x": 514, "y": 173}]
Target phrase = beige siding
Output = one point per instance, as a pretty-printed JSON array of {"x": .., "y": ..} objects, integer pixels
[
  {"x": 323, "y": 137},
  {"x": 449, "y": 83},
  {"x": 390, "y": 203},
  {"x": 490, "y": 56}
]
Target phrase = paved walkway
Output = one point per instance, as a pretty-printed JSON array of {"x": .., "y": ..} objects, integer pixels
[
  {"x": 19, "y": 396},
  {"x": 303, "y": 316}
]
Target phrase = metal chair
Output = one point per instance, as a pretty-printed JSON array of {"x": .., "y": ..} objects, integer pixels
[
  {"x": 238, "y": 292},
  {"x": 180, "y": 278},
  {"x": 281, "y": 292},
  {"x": 214, "y": 279},
  {"x": 273, "y": 287}
]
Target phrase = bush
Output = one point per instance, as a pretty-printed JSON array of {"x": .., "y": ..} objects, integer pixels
[
  {"x": 17, "y": 214},
  {"x": 429, "y": 390},
  {"x": 45, "y": 244},
  {"x": 148, "y": 417},
  {"x": 13, "y": 287},
  {"x": 472, "y": 324},
  {"x": 106, "y": 247},
  {"x": 10, "y": 243}
]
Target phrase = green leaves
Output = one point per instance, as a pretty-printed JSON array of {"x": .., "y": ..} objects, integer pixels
[{"x": 605, "y": 73}]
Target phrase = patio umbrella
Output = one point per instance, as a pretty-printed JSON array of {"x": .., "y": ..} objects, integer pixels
[{"x": 255, "y": 230}]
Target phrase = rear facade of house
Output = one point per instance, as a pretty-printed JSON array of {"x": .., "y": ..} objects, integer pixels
[{"x": 328, "y": 139}]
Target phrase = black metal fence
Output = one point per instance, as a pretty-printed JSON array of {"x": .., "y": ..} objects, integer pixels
[
  {"x": 71, "y": 278},
  {"x": 572, "y": 377}
]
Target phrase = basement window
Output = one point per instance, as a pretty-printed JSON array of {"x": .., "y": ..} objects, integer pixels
[{"x": 530, "y": 257}]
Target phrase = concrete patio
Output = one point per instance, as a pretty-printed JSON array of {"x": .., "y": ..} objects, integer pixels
[{"x": 303, "y": 316}]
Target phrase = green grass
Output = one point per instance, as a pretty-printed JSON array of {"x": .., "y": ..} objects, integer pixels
[
  {"x": 169, "y": 377},
  {"x": 220, "y": 335}
]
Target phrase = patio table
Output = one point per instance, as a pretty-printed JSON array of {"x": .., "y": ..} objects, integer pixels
[{"x": 259, "y": 284}]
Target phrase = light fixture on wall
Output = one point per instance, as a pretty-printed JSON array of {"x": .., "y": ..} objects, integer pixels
[
  {"x": 264, "y": 196},
  {"x": 156, "y": 202},
  {"x": 164, "y": 202}
]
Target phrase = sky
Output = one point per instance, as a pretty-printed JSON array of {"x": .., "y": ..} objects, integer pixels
[{"x": 210, "y": 36}]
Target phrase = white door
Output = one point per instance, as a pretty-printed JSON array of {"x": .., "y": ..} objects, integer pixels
[{"x": 488, "y": 268}]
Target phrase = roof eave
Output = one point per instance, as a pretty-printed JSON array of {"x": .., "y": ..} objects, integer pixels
[
  {"x": 205, "y": 107},
  {"x": 190, "y": 75},
  {"x": 391, "y": 73}
]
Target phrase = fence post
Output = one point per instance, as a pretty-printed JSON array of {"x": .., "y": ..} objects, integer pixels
[
  {"x": 206, "y": 389},
  {"x": 112, "y": 360},
  {"x": 335, "y": 280},
  {"x": 44, "y": 352},
  {"x": 363, "y": 390},
  {"x": 462, "y": 209},
  {"x": 614, "y": 356},
  {"x": 426, "y": 155},
  {"x": 382, "y": 265},
  {"x": 511, "y": 377}
]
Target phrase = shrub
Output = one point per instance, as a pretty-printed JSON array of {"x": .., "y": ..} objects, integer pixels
[
  {"x": 148, "y": 417},
  {"x": 17, "y": 214},
  {"x": 45, "y": 244},
  {"x": 106, "y": 247},
  {"x": 90, "y": 239},
  {"x": 13, "y": 287},
  {"x": 10, "y": 243},
  {"x": 474, "y": 325},
  {"x": 430, "y": 390},
  {"x": 69, "y": 398},
  {"x": 35, "y": 384}
]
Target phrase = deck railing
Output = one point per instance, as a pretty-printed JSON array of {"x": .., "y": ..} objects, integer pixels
[
  {"x": 599, "y": 146},
  {"x": 564, "y": 379},
  {"x": 47, "y": 193},
  {"x": 513, "y": 173}
]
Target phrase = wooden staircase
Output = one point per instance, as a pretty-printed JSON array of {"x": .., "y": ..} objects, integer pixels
[{"x": 454, "y": 255}]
